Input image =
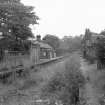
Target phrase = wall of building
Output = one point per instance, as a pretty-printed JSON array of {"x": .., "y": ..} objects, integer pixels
[{"x": 35, "y": 54}]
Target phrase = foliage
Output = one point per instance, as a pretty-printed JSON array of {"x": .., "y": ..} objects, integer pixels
[
  {"x": 65, "y": 86},
  {"x": 52, "y": 40},
  {"x": 70, "y": 44},
  {"x": 102, "y": 32},
  {"x": 100, "y": 47},
  {"x": 100, "y": 52},
  {"x": 65, "y": 45},
  {"x": 15, "y": 19},
  {"x": 73, "y": 70}
]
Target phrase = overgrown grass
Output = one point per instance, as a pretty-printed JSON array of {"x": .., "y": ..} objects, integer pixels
[
  {"x": 29, "y": 78},
  {"x": 65, "y": 85}
]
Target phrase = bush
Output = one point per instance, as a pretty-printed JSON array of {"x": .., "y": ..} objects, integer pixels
[
  {"x": 73, "y": 72},
  {"x": 54, "y": 84},
  {"x": 65, "y": 85}
]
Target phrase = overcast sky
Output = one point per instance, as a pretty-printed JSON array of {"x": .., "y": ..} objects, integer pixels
[{"x": 68, "y": 17}]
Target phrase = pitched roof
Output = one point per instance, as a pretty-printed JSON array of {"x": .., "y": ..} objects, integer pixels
[{"x": 42, "y": 44}]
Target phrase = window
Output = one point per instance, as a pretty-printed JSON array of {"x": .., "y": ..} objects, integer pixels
[{"x": 44, "y": 54}]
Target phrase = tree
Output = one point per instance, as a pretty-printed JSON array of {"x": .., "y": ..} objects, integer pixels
[
  {"x": 102, "y": 32},
  {"x": 100, "y": 52},
  {"x": 70, "y": 43},
  {"x": 52, "y": 40},
  {"x": 15, "y": 19}
]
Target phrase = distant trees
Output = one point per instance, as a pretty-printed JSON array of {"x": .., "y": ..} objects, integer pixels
[
  {"x": 15, "y": 19},
  {"x": 52, "y": 40},
  {"x": 102, "y": 32},
  {"x": 70, "y": 44},
  {"x": 100, "y": 50},
  {"x": 65, "y": 45}
]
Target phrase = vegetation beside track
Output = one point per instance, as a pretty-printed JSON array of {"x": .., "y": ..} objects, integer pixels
[{"x": 64, "y": 86}]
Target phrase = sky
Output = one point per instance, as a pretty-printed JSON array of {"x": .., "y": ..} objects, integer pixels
[{"x": 68, "y": 17}]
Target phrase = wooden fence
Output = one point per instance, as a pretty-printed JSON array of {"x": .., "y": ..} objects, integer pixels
[{"x": 14, "y": 58}]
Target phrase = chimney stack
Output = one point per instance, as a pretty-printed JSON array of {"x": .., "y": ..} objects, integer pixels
[{"x": 38, "y": 37}]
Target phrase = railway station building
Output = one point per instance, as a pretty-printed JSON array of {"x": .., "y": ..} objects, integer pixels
[{"x": 41, "y": 51}]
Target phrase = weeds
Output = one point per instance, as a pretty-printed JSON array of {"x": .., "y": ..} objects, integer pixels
[{"x": 65, "y": 85}]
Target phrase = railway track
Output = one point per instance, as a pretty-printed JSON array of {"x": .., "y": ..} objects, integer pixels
[{"x": 20, "y": 69}]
